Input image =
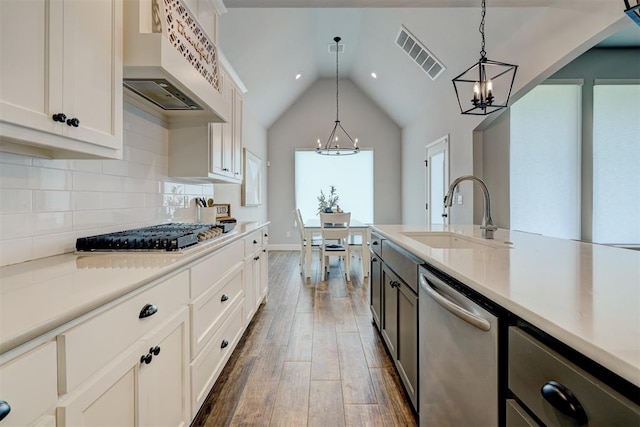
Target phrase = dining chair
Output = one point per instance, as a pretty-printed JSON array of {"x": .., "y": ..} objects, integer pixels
[
  {"x": 315, "y": 243},
  {"x": 335, "y": 228}
]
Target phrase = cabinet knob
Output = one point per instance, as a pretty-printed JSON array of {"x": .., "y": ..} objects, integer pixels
[
  {"x": 59, "y": 117},
  {"x": 375, "y": 243},
  {"x": 147, "y": 310},
  {"x": 73, "y": 122},
  {"x": 562, "y": 399},
  {"x": 146, "y": 358},
  {"x": 374, "y": 259},
  {"x": 255, "y": 242},
  {"x": 4, "y": 409},
  {"x": 224, "y": 298},
  {"x": 224, "y": 343},
  {"x": 154, "y": 350},
  {"x": 266, "y": 235}
]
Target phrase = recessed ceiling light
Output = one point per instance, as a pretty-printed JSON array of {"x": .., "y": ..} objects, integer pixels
[
  {"x": 298, "y": 76},
  {"x": 374, "y": 75}
]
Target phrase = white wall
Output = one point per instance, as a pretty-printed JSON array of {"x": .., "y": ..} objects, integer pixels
[
  {"x": 311, "y": 117},
  {"x": 45, "y": 205}
]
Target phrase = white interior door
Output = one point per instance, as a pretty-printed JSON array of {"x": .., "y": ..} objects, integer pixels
[{"x": 437, "y": 180}]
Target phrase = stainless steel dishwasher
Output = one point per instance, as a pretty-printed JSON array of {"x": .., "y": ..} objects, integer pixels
[{"x": 458, "y": 342}]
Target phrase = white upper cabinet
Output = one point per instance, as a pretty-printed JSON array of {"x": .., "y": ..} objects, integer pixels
[
  {"x": 210, "y": 152},
  {"x": 61, "y": 78}
]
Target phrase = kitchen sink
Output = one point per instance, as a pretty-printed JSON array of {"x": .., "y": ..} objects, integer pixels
[{"x": 445, "y": 240}]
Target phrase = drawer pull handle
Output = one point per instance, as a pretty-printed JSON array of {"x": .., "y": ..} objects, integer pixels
[
  {"x": 4, "y": 409},
  {"x": 224, "y": 343},
  {"x": 59, "y": 117},
  {"x": 224, "y": 298},
  {"x": 375, "y": 243},
  {"x": 561, "y": 398},
  {"x": 146, "y": 358},
  {"x": 154, "y": 350},
  {"x": 148, "y": 310},
  {"x": 374, "y": 259}
]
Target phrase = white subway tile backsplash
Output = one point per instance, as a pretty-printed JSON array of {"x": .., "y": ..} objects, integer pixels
[
  {"x": 15, "y": 226},
  {"x": 13, "y": 251},
  {"x": 86, "y": 200},
  {"x": 96, "y": 182},
  {"x": 14, "y": 201},
  {"x": 45, "y": 205},
  {"x": 51, "y": 201}
]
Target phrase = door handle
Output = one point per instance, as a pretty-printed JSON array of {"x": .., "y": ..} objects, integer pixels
[{"x": 455, "y": 309}]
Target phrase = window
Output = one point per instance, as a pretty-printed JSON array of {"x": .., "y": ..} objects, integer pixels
[
  {"x": 351, "y": 175},
  {"x": 616, "y": 163},
  {"x": 545, "y": 180}
]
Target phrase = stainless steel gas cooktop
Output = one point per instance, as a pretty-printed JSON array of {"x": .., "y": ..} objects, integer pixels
[{"x": 164, "y": 237}]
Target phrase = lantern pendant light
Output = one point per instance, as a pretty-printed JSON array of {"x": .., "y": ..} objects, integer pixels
[{"x": 488, "y": 83}]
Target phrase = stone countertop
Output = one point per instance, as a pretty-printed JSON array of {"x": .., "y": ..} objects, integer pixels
[
  {"x": 585, "y": 295},
  {"x": 38, "y": 296}
]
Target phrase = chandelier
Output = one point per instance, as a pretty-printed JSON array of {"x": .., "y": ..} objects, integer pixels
[
  {"x": 488, "y": 82},
  {"x": 332, "y": 146}
]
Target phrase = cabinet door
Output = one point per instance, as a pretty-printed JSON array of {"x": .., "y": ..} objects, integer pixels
[
  {"x": 92, "y": 78},
  {"x": 407, "y": 361},
  {"x": 390, "y": 310},
  {"x": 164, "y": 382},
  {"x": 249, "y": 289},
  {"x": 107, "y": 399},
  {"x": 257, "y": 278},
  {"x": 31, "y": 65},
  {"x": 264, "y": 274},
  {"x": 237, "y": 135},
  {"x": 376, "y": 290},
  {"x": 217, "y": 147}
]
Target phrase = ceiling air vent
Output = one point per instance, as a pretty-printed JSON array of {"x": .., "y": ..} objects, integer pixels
[{"x": 419, "y": 54}]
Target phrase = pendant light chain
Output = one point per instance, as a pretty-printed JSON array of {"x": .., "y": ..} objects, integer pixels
[
  {"x": 337, "y": 39},
  {"x": 483, "y": 53}
]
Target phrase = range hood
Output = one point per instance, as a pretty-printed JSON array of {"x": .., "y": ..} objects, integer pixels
[{"x": 171, "y": 67}]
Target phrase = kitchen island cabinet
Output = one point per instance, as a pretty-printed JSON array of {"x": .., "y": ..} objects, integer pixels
[
  {"x": 59, "y": 104},
  {"x": 145, "y": 333},
  {"x": 580, "y": 298}
]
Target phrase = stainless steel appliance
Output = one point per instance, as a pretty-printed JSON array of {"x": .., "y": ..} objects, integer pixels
[
  {"x": 163, "y": 237},
  {"x": 458, "y": 347}
]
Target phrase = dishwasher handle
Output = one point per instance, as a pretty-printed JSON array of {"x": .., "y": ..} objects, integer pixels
[{"x": 467, "y": 316}]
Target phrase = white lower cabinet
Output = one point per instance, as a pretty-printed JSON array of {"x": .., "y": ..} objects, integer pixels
[
  {"x": 148, "y": 385},
  {"x": 28, "y": 386},
  {"x": 256, "y": 266}
]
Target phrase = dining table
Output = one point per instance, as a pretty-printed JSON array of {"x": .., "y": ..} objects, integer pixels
[{"x": 360, "y": 235}]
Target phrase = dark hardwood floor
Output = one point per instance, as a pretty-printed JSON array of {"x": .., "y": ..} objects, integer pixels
[{"x": 310, "y": 357}]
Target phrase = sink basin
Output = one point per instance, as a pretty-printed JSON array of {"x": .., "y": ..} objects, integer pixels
[{"x": 446, "y": 240}]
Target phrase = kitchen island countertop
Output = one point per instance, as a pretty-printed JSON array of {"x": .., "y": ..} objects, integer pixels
[
  {"x": 40, "y": 295},
  {"x": 585, "y": 295}
]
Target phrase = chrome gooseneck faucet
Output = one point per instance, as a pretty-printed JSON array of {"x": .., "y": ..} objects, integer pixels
[{"x": 487, "y": 223}]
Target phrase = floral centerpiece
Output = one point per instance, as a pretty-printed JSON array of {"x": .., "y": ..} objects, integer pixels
[{"x": 328, "y": 203}]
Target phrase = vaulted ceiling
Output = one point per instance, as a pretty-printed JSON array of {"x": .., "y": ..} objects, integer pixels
[{"x": 268, "y": 42}]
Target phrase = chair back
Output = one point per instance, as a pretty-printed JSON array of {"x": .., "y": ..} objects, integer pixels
[
  {"x": 335, "y": 225},
  {"x": 299, "y": 223}
]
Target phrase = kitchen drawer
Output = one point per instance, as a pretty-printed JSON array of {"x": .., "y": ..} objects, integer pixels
[
  {"x": 517, "y": 416},
  {"x": 376, "y": 244},
  {"x": 209, "y": 271},
  {"x": 533, "y": 364},
  {"x": 89, "y": 346},
  {"x": 206, "y": 367},
  {"x": 29, "y": 385},
  {"x": 210, "y": 309},
  {"x": 404, "y": 264},
  {"x": 253, "y": 242}
]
